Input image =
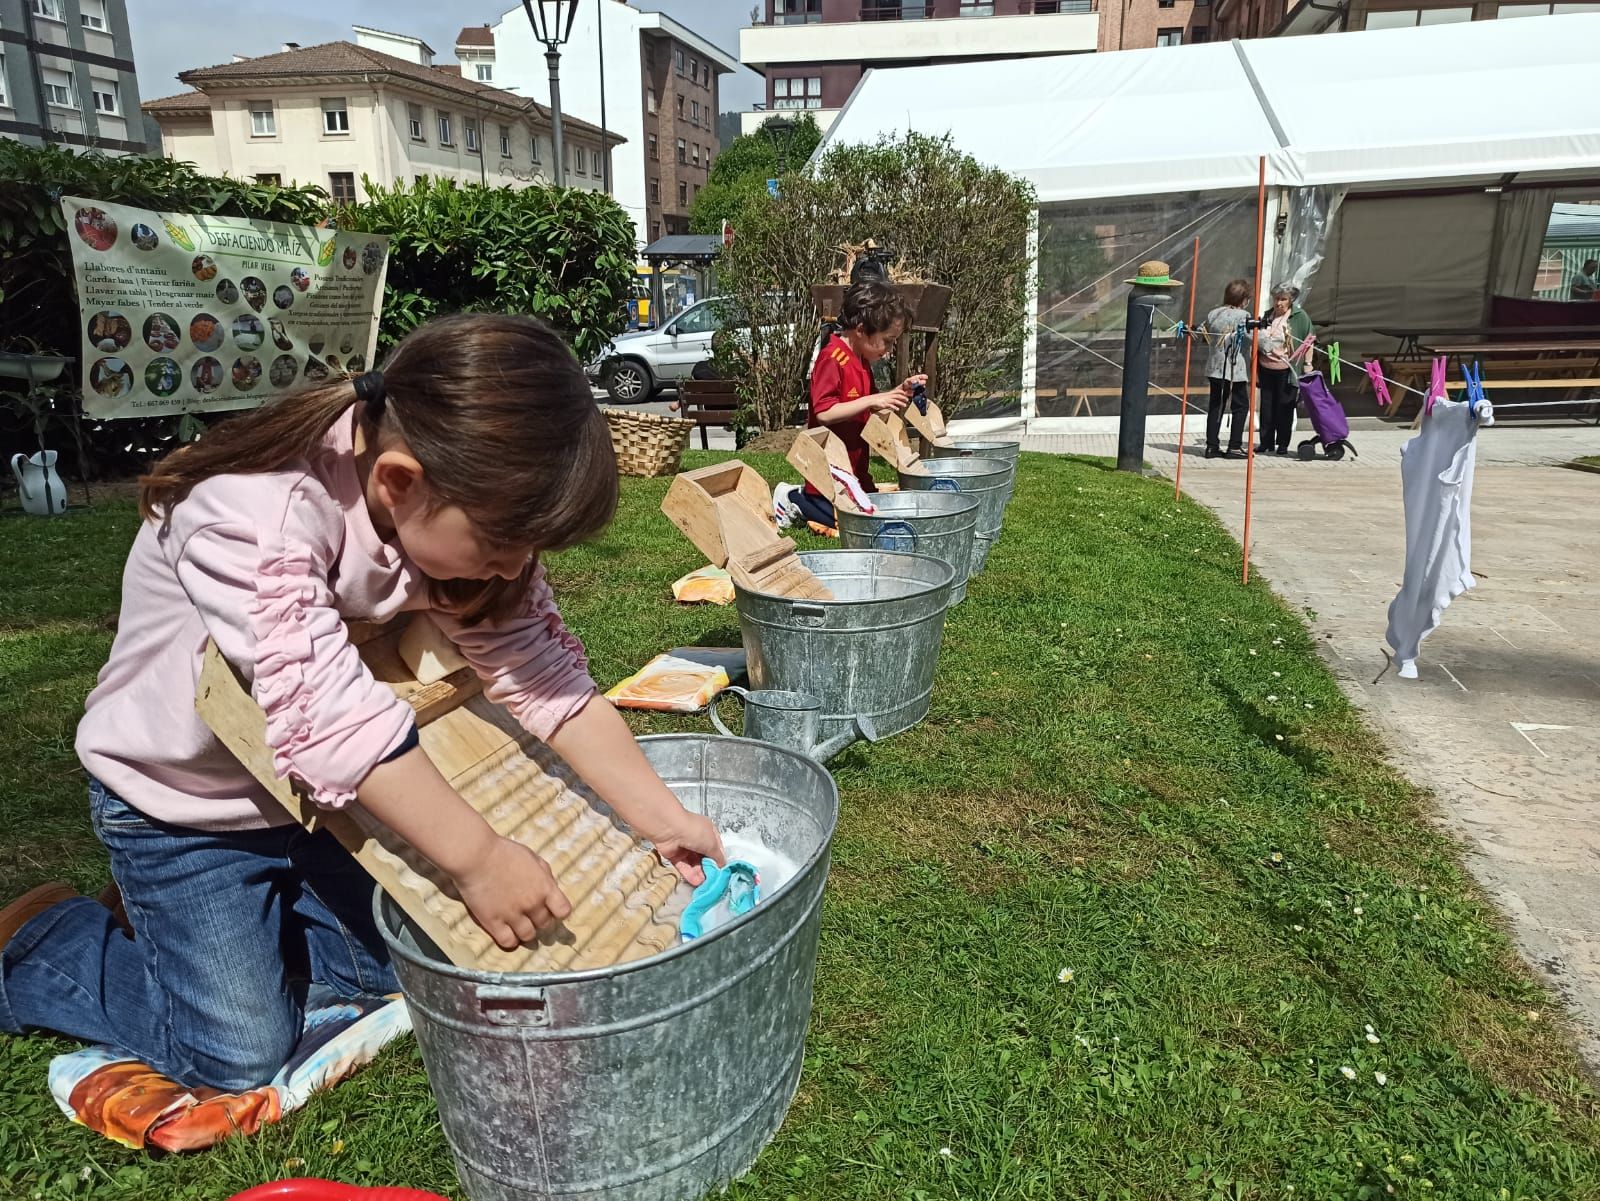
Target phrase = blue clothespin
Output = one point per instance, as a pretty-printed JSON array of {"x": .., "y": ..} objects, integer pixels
[
  {"x": 1474, "y": 379},
  {"x": 1181, "y": 330},
  {"x": 1241, "y": 337}
]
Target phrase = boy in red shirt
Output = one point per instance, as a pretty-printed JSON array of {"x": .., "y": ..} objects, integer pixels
[{"x": 873, "y": 318}]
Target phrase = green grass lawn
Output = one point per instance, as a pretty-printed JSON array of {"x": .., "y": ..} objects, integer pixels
[{"x": 1138, "y": 912}]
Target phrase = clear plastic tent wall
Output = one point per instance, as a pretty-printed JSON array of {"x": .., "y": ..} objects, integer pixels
[{"x": 1134, "y": 154}]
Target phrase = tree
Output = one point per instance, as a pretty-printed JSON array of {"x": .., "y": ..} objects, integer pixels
[
  {"x": 945, "y": 217},
  {"x": 739, "y": 175}
]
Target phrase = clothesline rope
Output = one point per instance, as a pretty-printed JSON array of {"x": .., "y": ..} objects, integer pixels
[{"x": 1202, "y": 334}]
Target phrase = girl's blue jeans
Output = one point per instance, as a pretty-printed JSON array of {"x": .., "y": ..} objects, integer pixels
[{"x": 232, "y": 929}]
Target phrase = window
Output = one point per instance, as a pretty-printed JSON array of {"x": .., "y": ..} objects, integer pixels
[
  {"x": 697, "y": 191},
  {"x": 969, "y": 9},
  {"x": 414, "y": 120},
  {"x": 1202, "y": 3},
  {"x": 895, "y": 10},
  {"x": 57, "y": 88},
  {"x": 680, "y": 105},
  {"x": 107, "y": 98},
  {"x": 650, "y": 102},
  {"x": 655, "y": 231},
  {"x": 470, "y": 124},
  {"x": 655, "y": 150},
  {"x": 683, "y": 194},
  {"x": 1169, "y": 37},
  {"x": 5, "y": 100},
  {"x": 683, "y": 151},
  {"x": 334, "y": 117},
  {"x": 533, "y": 147},
  {"x": 485, "y": 72},
  {"x": 594, "y": 162},
  {"x": 505, "y": 141},
  {"x": 1543, "y": 10},
  {"x": 581, "y": 159},
  {"x": 1199, "y": 34},
  {"x": 445, "y": 136},
  {"x": 342, "y": 187},
  {"x": 677, "y": 57},
  {"x": 799, "y": 92},
  {"x": 694, "y": 111},
  {"x": 271, "y": 178},
  {"x": 1166, "y": 3},
  {"x": 48, "y": 9},
  {"x": 655, "y": 191},
  {"x": 1405, "y": 18},
  {"x": 797, "y": 12},
  {"x": 263, "y": 124},
  {"x": 696, "y": 149},
  {"x": 93, "y": 14},
  {"x": 694, "y": 68}
]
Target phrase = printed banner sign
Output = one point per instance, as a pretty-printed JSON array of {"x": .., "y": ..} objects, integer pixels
[{"x": 190, "y": 314}]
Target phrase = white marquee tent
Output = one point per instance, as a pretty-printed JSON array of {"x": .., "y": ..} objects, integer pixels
[{"x": 1436, "y": 153}]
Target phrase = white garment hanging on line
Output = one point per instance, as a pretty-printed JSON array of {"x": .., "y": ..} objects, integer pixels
[{"x": 1436, "y": 478}]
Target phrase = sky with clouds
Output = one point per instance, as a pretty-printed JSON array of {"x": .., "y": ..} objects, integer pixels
[{"x": 177, "y": 35}]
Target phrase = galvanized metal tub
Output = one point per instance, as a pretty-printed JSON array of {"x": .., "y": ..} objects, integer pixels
[
  {"x": 657, "y": 1080},
  {"x": 987, "y": 479},
  {"x": 940, "y": 524},
  {"x": 969, "y": 448},
  {"x": 870, "y": 652}
]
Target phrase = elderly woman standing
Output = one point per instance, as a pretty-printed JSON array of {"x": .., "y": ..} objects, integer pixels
[{"x": 1285, "y": 332}]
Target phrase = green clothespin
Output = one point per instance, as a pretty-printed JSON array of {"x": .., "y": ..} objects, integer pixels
[{"x": 1333, "y": 363}]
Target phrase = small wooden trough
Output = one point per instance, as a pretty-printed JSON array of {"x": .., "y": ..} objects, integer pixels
[
  {"x": 726, "y": 511},
  {"x": 816, "y": 454}
]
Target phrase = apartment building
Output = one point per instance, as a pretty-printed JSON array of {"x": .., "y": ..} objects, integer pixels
[
  {"x": 814, "y": 52},
  {"x": 66, "y": 75},
  {"x": 661, "y": 89},
  {"x": 378, "y": 106},
  {"x": 1285, "y": 18}
]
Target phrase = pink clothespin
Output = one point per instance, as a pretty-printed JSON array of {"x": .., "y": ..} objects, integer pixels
[
  {"x": 1380, "y": 386},
  {"x": 1437, "y": 384}
]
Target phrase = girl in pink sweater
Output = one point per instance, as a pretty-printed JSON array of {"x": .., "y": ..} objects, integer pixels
[{"x": 434, "y": 485}]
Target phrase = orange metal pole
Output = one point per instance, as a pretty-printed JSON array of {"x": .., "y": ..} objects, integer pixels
[
  {"x": 1188, "y": 355},
  {"x": 1255, "y": 366}
]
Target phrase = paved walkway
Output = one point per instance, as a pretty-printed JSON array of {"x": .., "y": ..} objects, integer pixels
[{"x": 1504, "y": 724}]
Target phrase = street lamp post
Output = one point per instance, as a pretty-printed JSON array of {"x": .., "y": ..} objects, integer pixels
[{"x": 552, "y": 25}]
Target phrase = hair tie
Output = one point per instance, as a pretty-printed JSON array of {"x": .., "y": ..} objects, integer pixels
[{"x": 369, "y": 389}]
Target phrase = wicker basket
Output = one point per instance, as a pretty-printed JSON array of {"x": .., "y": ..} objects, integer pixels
[{"x": 647, "y": 443}]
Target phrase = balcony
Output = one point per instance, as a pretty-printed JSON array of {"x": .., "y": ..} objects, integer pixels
[{"x": 887, "y": 33}]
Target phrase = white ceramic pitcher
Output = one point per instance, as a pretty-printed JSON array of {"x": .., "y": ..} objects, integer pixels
[{"x": 43, "y": 494}]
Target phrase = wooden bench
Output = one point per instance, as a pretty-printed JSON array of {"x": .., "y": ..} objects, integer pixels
[
  {"x": 713, "y": 403},
  {"x": 708, "y": 402}
]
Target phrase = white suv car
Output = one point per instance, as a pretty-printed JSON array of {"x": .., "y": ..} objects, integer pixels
[{"x": 637, "y": 365}]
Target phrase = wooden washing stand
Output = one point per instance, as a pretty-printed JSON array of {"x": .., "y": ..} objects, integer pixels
[
  {"x": 885, "y": 435},
  {"x": 625, "y": 901},
  {"x": 814, "y": 454},
  {"x": 726, "y": 511}
]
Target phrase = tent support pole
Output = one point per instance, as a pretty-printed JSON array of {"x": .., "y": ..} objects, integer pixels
[
  {"x": 1188, "y": 359},
  {"x": 1030, "y": 346},
  {"x": 1255, "y": 364}
]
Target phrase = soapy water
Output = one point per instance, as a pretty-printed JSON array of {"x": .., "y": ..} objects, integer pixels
[{"x": 774, "y": 868}]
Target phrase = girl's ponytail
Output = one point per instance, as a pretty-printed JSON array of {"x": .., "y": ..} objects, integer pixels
[{"x": 261, "y": 440}]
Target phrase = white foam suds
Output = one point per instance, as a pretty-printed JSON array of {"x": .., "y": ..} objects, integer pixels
[{"x": 774, "y": 868}]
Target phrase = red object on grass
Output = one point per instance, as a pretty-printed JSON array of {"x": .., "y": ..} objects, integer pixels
[{"x": 307, "y": 1189}]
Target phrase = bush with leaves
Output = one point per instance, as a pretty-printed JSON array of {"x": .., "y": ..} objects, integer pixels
[
  {"x": 738, "y": 178},
  {"x": 564, "y": 255},
  {"x": 940, "y": 212}
]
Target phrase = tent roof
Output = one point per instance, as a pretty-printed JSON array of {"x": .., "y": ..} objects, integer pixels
[{"x": 1441, "y": 102}]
